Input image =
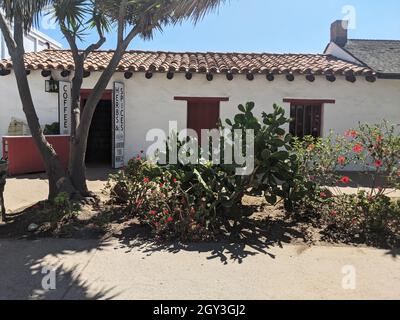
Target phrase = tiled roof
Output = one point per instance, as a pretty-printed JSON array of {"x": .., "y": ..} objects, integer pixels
[
  {"x": 196, "y": 62},
  {"x": 381, "y": 55}
]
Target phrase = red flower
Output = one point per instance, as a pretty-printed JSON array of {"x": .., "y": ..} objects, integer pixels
[
  {"x": 174, "y": 180},
  {"x": 351, "y": 133},
  {"x": 354, "y": 221},
  {"x": 170, "y": 219},
  {"x": 378, "y": 164},
  {"x": 323, "y": 195},
  {"x": 146, "y": 180},
  {"x": 153, "y": 213},
  {"x": 161, "y": 185},
  {"x": 333, "y": 213},
  {"x": 311, "y": 147},
  {"x": 345, "y": 180},
  {"x": 166, "y": 211},
  {"x": 379, "y": 139},
  {"x": 358, "y": 148},
  {"x": 139, "y": 158},
  {"x": 139, "y": 204},
  {"x": 342, "y": 160}
]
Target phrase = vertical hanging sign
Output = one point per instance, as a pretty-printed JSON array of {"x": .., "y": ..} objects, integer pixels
[
  {"x": 119, "y": 125},
  {"x": 64, "y": 107}
]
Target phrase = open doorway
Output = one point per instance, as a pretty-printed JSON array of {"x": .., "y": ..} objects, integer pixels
[{"x": 99, "y": 148}]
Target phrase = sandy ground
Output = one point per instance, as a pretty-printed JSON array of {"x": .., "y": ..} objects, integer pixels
[
  {"x": 125, "y": 269},
  {"x": 113, "y": 270},
  {"x": 24, "y": 191}
]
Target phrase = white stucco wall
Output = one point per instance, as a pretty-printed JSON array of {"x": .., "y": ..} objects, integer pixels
[
  {"x": 10, "y": 105},
  {"x": 34, "y": 41},
  {"x": 151, "y": 104}
]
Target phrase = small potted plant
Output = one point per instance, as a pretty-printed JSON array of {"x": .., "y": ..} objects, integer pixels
[{"x": 3, "y": 176}]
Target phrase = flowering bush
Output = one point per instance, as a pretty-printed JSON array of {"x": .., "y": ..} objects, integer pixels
[
  {"x": 156, "y": 196},
  {"x": 325, "y": 165},
  {"x": 371, "y": 219}
]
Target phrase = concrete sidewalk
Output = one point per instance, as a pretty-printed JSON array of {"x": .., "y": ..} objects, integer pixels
[{"x": 113, "y": 270}]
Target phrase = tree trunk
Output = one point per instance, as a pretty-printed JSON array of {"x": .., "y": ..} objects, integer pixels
[
  {"x": 77, "y": 164},
  {"x": 77, "y": 168},
  {"x": 58, "y": 179},
  {"x": 3, "y": 177}
]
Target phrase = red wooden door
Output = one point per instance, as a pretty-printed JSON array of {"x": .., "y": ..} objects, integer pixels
[{"x": 203, "y": 115}]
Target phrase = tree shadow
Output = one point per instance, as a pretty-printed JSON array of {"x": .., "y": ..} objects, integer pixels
[
  {"x": 253, "y": 238},
  {"x": 25, "y": 264},
  {"x": 395, "y": 252}
]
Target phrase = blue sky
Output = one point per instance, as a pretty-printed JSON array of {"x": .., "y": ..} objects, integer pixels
[{"x": 271, "y": 26}]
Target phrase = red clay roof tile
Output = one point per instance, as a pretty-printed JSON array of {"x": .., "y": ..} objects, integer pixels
[{"x": 196, "y": 62}]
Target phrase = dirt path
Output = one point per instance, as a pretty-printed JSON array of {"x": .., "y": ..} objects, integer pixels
[{"x": 107, "y": 270}]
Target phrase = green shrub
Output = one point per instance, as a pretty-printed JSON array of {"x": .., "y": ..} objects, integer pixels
[
  {"x": 193, "y": 201},
  {"x": 52, "y": 129}
]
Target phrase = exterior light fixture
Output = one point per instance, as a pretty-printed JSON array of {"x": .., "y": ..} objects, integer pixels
[{"x": 52, "y": 86}]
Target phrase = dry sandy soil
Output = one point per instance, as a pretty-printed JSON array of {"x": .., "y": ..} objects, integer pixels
[{"x": 112, "y": 257}]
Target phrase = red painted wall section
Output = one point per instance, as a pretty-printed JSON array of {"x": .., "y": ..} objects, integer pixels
[{"x": 24, "y": 157}]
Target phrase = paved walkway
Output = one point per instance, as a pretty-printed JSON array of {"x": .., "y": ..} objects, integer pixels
[{"x": 112, "y": 270}]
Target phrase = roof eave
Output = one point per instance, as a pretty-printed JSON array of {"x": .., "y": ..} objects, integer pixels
[{"x": 388, "y": 76}]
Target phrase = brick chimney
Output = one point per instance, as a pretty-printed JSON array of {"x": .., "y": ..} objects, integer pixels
[{"x": 339, "y": 32}]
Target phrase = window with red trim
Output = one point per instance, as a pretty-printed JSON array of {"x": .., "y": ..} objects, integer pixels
[
  {"x": 306, "y": 120},
  {"x": 307, "y": 116}
]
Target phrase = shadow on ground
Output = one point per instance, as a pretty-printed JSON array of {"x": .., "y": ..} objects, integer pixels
[
  {"x": 256, "y": 237},
  {"x": 22, "y": 263}
]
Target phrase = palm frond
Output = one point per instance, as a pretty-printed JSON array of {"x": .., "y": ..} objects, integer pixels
[
  {"x": 27, "y": 11},
  {"x": 195, "y": 9}
]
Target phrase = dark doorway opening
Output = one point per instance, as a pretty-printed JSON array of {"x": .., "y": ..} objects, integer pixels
[{"x": 99, "y": 149}]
